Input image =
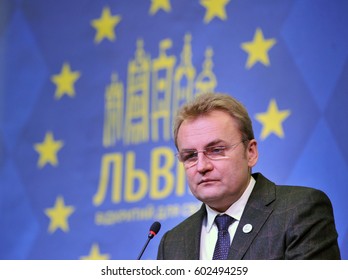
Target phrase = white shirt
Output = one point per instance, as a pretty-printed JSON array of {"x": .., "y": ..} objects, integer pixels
[{"x": 209, "y": 231}]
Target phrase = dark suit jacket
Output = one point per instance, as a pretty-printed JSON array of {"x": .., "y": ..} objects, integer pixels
[{"x": 287, "y": 223}]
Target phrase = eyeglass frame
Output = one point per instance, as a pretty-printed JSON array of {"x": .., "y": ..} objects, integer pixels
[{"x": 195, "y": 152}]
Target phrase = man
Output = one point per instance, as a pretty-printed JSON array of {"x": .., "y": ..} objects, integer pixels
[{"x": 244, "y": 215}]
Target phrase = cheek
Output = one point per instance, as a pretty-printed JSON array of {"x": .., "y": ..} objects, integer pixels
[
  {"x": 190, "y": 175},
  {"x": 233, "y": 170},
  {"x": 193, "y": 178}
]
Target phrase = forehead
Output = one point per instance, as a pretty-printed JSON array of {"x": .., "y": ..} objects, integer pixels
[{"x": 205, "y": 129}]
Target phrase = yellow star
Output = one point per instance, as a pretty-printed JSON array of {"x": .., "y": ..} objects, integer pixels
[
  {"x": 258, "y": 49},
  {"x": 105, "y": 25},
  {"x": 48, "y": 150},
  {"x": 214, "y": 8},
  {"x": 65, "y": 81},
  {"x": 272, "y": 120},
  {"x": 159, "y": 4},
  {"x": 59, "y": 215},
  {"x": 94, "y": 254}
]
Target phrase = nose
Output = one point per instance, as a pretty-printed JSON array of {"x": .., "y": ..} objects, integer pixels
[{"x": 204, "y": 164}]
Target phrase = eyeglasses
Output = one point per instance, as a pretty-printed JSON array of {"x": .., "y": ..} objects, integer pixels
[{"x": 190, "y": 157}]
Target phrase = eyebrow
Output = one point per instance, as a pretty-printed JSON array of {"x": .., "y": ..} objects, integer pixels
[
  {"x": 216, "y": 142},
  {"x": 210, "y": 144}
]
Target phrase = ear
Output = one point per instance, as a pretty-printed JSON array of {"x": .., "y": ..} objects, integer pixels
[{"x": 252, "y": 153}]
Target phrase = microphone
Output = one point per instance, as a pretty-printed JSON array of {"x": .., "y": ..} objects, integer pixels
[{"x": 154, "y": 229}]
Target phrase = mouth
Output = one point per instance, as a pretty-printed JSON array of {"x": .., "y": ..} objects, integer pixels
[{"x": 206, "y": 181}]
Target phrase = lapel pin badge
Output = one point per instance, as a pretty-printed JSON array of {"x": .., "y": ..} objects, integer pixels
[{"x": 247, "y": 228}]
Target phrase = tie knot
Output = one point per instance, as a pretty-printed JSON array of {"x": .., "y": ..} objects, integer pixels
[{"x": 223, "y": 222}]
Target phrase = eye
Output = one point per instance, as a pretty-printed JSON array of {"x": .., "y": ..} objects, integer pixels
[
  {"x": 219, "y": 150},
  {"x": 188, "y": 156}
]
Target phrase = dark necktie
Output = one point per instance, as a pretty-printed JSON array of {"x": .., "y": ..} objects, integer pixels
[{"x": 223, "y": 242}]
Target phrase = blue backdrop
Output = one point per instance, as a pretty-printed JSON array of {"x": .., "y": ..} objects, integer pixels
[{"x": 88, "y": 90}]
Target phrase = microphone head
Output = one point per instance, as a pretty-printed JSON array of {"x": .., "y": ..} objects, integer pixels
[{"x": 154, "y": 229}]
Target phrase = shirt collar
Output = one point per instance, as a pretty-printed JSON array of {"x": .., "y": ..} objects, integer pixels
[{"x": 235, "y": 210}]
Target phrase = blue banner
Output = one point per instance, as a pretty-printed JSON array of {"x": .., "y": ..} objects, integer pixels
[{"x": 88, "y": 91}]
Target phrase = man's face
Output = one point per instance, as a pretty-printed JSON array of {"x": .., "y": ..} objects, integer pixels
[{"x": 218, "y": 183}]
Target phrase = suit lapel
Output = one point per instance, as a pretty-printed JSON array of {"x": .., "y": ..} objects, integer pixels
[
  {"x": 256, "y": 212},
  {"x": 193, "y": 235}
]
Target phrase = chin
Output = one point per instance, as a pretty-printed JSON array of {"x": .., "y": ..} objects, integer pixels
[{"x": 211, "y": 199}]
